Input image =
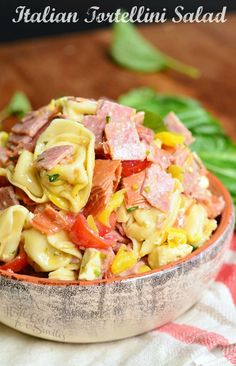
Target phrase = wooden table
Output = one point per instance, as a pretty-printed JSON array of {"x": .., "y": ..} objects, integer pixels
[{"x": 78, "y": 64}]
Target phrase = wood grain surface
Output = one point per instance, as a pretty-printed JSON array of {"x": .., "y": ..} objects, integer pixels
[{"x": 78, "y": 64}]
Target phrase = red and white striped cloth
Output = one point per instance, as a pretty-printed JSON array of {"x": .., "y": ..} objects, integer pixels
[{"x": 203, "y": 336}]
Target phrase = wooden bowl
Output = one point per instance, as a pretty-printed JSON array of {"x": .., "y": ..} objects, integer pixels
[{"x": 106, "y": 310}]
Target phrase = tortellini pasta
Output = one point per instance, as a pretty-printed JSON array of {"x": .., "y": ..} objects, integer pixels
[
  {"x": 76, "y": 108},
  {"x": 72, "y": 188},
  {"x": 194, "y": 223},
  {"x": 165, "y": 254},
  {"x": 143, "y": 223},
  {"x": 12, "y": 221},
  {"x": 62, "y": 242},
  {"x": 25, "y": 176},
  {"x": 62, "y": 273},
  {"x": 45, "y": 257}
]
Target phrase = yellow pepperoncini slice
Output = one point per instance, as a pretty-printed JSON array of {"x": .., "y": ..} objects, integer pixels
[
  {"x": 170, "y": 138},
  {"x": 115, "y": 202},
  {"x": 123, "y": 261},
  {"x": 3, "y": 138},
  {"x": 92, "y": 224},
  {"x": 176, "y": 236}
]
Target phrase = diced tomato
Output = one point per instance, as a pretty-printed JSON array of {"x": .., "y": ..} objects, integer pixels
[
  {"x": 83, "y": 236},
  {"x": 18, "y": 263},
  {"x": 103, "y": 229},
  {"x": 49, "y": 221},
  {"x": 130, "y": 167}
]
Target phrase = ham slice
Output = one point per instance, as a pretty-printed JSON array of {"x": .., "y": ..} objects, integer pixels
[
  {"x": 214, "y": 205},
  {"x": 33, "y": 122},
  {"x": 133, "y": 185},
  {"x": 23, "y": 136},
  {"x": 106, "y": 178},
  {"x": 3, "y": 156},
  {"x": 49, "y": 221},
  {"x": 157, "y": 187},
  {"x": 159, "y": 156},
  {"x": 114, "y": 111},
  {"x": 96, "y": 125},
  {"x": 120, "y": 130},
  {"x": 123, "y": 140},
  {"x": 53, "y": 156},
  {"x": 145, "y": 133},
  {"x": 174, "y": 124},
  {"x": 7, "y": 197}
]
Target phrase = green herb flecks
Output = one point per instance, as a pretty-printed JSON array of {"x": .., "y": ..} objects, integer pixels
[
  {"x": 131, "y": 50},
  {"x": 133, "y": 208},
  {"x": 18, "y": 106},
  {"x": 53, "y": 177},
  {"x": 108, "y": 119}
]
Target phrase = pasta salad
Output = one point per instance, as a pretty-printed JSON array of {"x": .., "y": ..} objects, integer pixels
[{"x": 88, "y": 192}]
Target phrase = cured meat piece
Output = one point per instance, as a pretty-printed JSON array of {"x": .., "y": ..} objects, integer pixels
[
  {"x": 123, "y": 140},
  {"x": 214, "y": 205},
  {"x": 113, "y": 111},
  {"x": 159, "y": 156},
  {"x": 157, "y": 187},
  {"x": 145, "y": 134},
  {"x": 133, "y": 185},
  {"x": 96, "y": 125},
  {"x": 174, "y": 124},
  {"x": 106, "y": 178},
  {"x": 138, "y": 118},
  {"x": 3, "y": 156},
  {"x": 19, "y": 141},
  {"x": 7, "y": 197},
  {"x": 49, "y": 221},
  {"x": 33, "y": 122},
  {"x": 51, "y": 157}
]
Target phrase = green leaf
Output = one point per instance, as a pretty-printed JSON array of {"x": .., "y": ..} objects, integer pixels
[
  {"x": 153, "y": 121},
  {"x": 18, "y": 105},
  {"x": 215, "y": 148},
  {"x": 131, "y": 50}
]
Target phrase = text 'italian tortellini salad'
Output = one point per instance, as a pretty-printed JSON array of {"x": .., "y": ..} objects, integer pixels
[{"x": 88, "y": 192}]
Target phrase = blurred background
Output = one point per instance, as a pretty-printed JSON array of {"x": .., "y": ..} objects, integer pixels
[{"x": 11, "y": 31}]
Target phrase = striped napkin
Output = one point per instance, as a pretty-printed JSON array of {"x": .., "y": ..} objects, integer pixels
[{"x": 203, "y": 336}]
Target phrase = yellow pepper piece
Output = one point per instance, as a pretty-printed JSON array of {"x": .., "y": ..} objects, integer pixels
[
  {"x": 144, "y": 268},
  {"x": 123, "y": 261},
  {"x": 177, "y": 172},
  {"x": 170, "y": 138},
  {"x": 3, "y": 138},
  {"x": 176, "y": 236},
  {"x": 115, "y": 202},
  {"x": 92, "y": 224}
]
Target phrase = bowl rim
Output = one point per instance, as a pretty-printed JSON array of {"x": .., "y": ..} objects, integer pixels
[{"x": 225, "y": 219}]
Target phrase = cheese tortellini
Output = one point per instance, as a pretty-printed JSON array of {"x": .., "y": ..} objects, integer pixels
[
  {"x": 12, "y": 221},
  {"x": 76, "y": 108},
  {"x": 72, "y": 188},
  {"x": 25, "y": 176},
  {"x": 45, "y": 257}
]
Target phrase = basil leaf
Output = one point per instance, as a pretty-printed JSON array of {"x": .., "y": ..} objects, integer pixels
[
  {"x": 131, "y": 50},
  {"x": 19, "y": 105},
  {"x": 153, "y": 121}
]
